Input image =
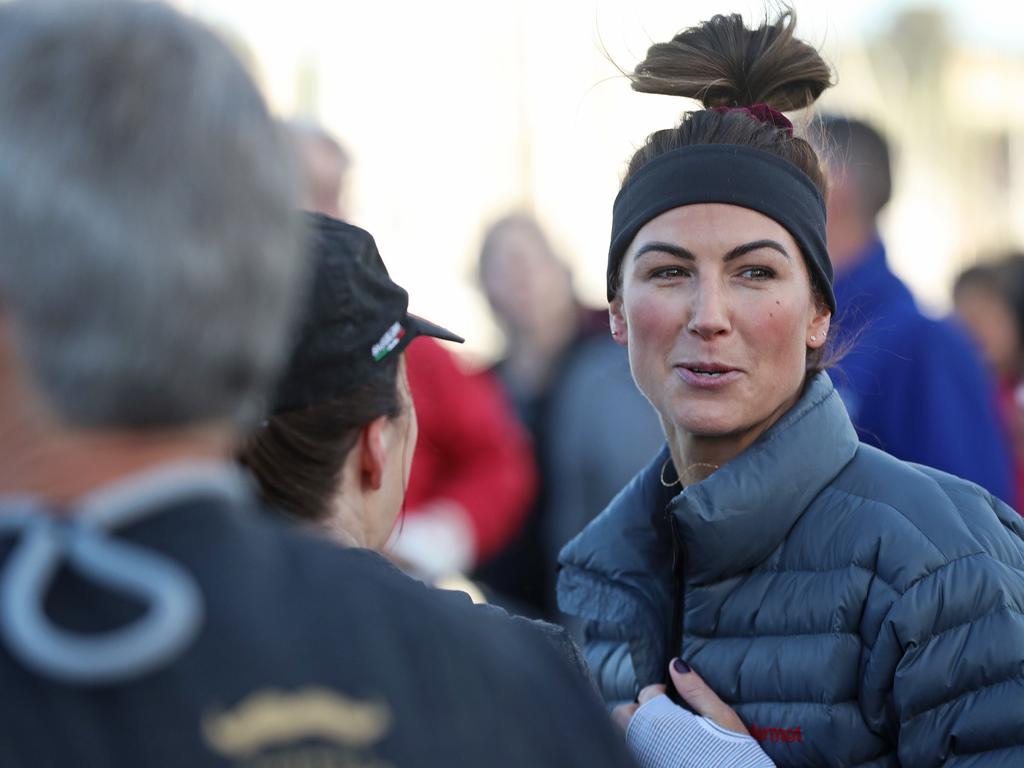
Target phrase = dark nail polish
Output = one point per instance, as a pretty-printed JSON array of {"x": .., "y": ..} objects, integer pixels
[{"x": 681, "y": 666}]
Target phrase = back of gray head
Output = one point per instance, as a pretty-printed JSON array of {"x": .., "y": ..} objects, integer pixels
[{"x": 151, "y": 254}]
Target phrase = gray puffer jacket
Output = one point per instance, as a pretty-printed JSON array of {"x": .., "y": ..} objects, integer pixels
[{"x": 854, "y": 609}]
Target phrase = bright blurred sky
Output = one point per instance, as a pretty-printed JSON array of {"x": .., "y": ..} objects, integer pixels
[
  {"x": 457, "y": 110},
  {"x": 986, "y": 22}
]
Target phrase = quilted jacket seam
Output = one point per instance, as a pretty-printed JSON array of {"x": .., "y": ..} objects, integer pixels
[
  {"x": 819, "y": 571},
  {"x": 777, "y": 635},
  {"x": 1010, "y": 747},
  {"x": 913, "y": 584},
  {"x": 781, "y": 571},
  {"x": 994, "y": 612},
  {"x": 961, "y": 694},
  {"x": 802, "y": 702},
  {"x": 898, "y": 600},
  {"x": 875, "y": 759}
]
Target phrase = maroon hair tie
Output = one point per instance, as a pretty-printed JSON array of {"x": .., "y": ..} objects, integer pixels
[{"x": 763, "y": 114}]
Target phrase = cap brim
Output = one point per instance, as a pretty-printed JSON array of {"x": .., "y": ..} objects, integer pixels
[{"x": 420, "y": 327}]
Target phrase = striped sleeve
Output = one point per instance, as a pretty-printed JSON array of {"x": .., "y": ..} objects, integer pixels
[{"x": 662, "y": 735}]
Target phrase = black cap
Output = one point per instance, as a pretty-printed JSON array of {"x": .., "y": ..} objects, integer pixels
[{"x": 355, "y": 319}]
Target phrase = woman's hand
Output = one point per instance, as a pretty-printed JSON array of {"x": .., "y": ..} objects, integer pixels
[
  {"x": 694, "y": 691},
  {"x": 663, "y": 735}
]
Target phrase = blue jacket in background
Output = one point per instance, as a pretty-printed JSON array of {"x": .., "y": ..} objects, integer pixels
[{"x": 915, "y": 387}]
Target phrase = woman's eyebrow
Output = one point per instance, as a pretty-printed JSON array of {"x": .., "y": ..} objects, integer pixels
[
  {"x": 669, "y": 248},
  {"x": 682, "y": 253},
  {"x": 756, "y": 245}
]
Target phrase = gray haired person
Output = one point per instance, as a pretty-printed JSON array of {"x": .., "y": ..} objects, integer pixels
[{"x": 150, "y": 613}]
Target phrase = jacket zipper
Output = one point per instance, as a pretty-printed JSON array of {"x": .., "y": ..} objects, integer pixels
[{"x": 675, "y": 633}]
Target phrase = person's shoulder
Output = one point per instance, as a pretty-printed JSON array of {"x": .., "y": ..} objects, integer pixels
[
  {"x": 327, "y": 595},
  {"x": 879, "y": 481},
  {"x": 909, "y": 345},
  {"x": 349, "y": 581},
  {"x": 330, "y": 573},
  {"x": 616, "y": 555},
  {"x": 992, "y": 523},
  {"x": 921, "y": 518},
  {"x": 627, "y": 517},
  {"x": 944, "y": 333},
  {"x": 918, "y": 331},
  {"x": 309, "y": 571},
  {"x": 286, "y": 610}
]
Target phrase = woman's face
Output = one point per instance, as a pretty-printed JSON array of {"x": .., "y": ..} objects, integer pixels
[{"x": 717, "y": 312}]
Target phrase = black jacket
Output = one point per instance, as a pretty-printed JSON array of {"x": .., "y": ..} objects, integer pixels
[{"x": 307, "y": 655}]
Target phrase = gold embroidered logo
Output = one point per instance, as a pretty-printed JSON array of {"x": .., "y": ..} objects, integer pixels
[{"x": 270, "y": 718}]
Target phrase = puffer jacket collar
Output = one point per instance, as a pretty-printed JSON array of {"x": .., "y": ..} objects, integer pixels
[
  {"x": 735, "y": 518},
  {"x": 619, "y": 568}
]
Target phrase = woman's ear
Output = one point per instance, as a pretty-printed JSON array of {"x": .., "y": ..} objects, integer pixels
[
  {"x": 374, "y": 443},
  {"x": 817, "y": 328},
  {"x": 617, "y": 321}
]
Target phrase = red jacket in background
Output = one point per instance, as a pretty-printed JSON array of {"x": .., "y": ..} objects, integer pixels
[{"x": 471, "y": 449}]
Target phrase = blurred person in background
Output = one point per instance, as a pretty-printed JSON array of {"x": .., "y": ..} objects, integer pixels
[
  {"x": 571, "y": 387},
  {"x": 915, "y": 387},
  {"x": 847, "y": 607},
  {"x": 473, "y": 478},
  {"x": 324, "y": 164},
  {"x": 989, "y": 299},
  {"x": 151, "y": 613}
]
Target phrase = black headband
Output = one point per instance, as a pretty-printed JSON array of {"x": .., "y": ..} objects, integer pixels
[{"x": 725, "y": 173}]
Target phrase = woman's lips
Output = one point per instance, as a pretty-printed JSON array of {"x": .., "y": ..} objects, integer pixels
[{"x": 707, "y": 376}]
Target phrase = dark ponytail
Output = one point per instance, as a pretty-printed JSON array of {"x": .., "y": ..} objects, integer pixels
[
  {"x": 297, "y": 456},
  {"x": 722, "y": 63}
]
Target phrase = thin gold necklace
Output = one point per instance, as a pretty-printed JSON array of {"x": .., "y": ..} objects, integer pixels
[{"x": 678, "y": 480}]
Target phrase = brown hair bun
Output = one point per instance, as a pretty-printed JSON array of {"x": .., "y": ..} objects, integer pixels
[{"x": 720, "y": 62}]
